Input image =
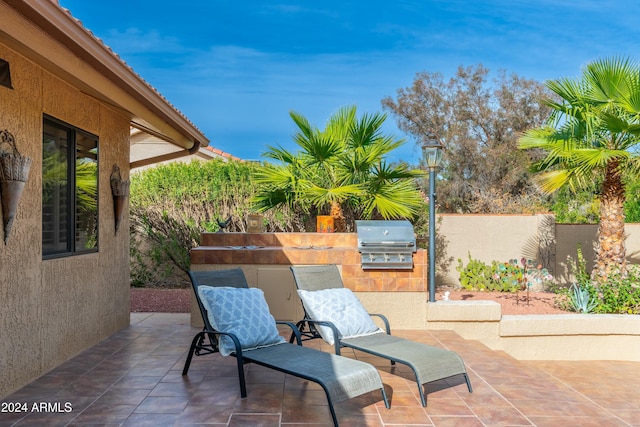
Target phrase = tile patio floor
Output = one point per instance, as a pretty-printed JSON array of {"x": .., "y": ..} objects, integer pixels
[{"x": 134, "y": 378}]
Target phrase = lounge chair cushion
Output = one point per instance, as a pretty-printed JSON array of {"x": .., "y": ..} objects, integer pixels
[
  {"x": 342, "y": 308},
  {"x": 243, "y": 312}
]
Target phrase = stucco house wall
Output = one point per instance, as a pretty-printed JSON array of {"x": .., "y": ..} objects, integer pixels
[{"x": 53, "y": 309}]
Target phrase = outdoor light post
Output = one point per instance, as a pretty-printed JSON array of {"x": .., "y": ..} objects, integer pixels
[{"x": 432, "y": 151}]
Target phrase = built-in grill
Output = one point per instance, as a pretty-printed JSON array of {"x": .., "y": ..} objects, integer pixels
[{"x": 386, "y": 245}]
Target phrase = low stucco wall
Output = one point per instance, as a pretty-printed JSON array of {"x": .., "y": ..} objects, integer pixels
[
  {"x": 540, "y": 337},
  {"x": 525, "y": 337}
]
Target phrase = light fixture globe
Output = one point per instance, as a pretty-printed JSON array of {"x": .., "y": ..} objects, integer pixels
[{"x": 432, "y": 151}]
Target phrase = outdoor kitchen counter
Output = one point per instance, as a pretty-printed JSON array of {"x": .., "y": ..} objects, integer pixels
[
  {"x": 280, "y": 255},
  {"x": 266, "y": 250}
]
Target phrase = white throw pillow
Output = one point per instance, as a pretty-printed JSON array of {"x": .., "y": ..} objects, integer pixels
[
  {"x": 243, "y": 312},
  {"x": 340, "y": 307}
]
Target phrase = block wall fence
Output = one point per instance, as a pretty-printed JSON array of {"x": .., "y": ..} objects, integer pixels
[{"x": 504, "y": 237}]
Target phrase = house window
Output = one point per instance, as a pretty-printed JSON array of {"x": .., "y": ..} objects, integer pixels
[{"x": 69, "y": 190}]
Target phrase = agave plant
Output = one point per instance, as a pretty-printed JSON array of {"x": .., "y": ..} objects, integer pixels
[{"x": 580, "y": 299}]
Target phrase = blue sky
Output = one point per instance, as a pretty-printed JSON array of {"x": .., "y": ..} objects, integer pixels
[{"x": 236, "y": 68}]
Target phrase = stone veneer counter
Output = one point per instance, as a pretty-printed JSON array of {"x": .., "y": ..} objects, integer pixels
[{"x": 237, "y": 249}]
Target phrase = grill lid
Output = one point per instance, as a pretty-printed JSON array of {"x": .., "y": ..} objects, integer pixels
[
  {"x": 385, "y": 233},
  {"x": 386, "y": 244}
]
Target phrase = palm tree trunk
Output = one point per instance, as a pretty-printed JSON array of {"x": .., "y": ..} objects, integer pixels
[
  {"x": 610, "y": 249},
  {"x": 339, "y": 224}
]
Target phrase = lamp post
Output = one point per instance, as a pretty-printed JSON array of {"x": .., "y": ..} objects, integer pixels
[{"x": 432, "y": 151}]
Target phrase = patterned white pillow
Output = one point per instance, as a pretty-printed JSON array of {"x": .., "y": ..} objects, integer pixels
[
  {"x": 340, "y": 307},
  {"x": 243, "y": 312}
]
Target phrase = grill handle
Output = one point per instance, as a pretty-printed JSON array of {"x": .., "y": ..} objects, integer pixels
[{"x": 396, "y": 244}]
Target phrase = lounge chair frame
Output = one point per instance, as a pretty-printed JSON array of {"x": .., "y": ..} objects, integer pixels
[
  {"x": 282, "y": 357},
  {"x": 386, "y": 346}
]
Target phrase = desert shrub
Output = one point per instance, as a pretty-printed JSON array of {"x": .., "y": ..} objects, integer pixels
[
  {"x": 619, "y": 295},
  {"x": 476, "y": 275}
]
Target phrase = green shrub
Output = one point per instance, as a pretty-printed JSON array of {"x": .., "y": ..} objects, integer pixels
[
  {"x": 476, "y": 275},
  {"x": 620, "y": 295},
  {"x": 172, "y": 204},
  {"x": 508, "y": 276},
  {"x": 632, "y": 202}
]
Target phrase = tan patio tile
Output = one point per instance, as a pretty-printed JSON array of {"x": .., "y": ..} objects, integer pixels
[
  {"x": 254, "y": 420},
  {"x": 205, "y": 414},
  {"x": 440, "y": 406},
  {"x": 132, "y": 380},
  {"x": 456, "y": 421},
  {"x": 564, "y": 421},
  {"x": 413, "y": 415},
  {"x": 500, "y": 416}
]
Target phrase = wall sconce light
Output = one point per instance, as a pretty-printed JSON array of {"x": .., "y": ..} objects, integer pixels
[
  {"x": 120, "y": 193},
  {"x": 14, "y": 171},
  {"x": 5, "y": 74}
]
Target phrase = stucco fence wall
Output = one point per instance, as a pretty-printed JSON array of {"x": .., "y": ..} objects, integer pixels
[{"x": 504, "y": 237}]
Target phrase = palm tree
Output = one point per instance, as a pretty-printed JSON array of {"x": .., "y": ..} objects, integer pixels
[
  {"x": 342, "y": 165},
  {"x": 594, "y": 130}
]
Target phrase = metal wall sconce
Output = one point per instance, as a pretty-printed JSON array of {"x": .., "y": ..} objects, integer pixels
[
  {"x": 14, "y": 171},
  {"x": 120, "y": 193}
]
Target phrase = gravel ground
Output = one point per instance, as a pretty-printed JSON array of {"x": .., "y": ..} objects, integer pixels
[
  {"x": 537, "y": 303},
  {"x": 179, "y": 301},
  {"x": 153, "y": 300}
]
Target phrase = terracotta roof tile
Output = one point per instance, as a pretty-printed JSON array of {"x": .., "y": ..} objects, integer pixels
[{"x": 222, "y": 153}]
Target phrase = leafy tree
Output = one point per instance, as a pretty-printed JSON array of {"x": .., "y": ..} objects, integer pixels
[
  {"x": 580, "y": 207},
  {"x": 594, "y": 131},
  {"x": 478, "y": 122},
  {"x": 340, "y": 168}
]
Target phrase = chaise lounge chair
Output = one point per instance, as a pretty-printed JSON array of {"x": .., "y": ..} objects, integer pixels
[
  {"x": 334, "y": 313},
  {"x": 238, "y": 323}
]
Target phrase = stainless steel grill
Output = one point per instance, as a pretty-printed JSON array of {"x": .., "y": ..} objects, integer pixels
[{"x": 386, "y": 245}]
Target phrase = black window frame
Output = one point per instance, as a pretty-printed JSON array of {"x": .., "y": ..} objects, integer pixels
[{"x": 71, "y": 222}]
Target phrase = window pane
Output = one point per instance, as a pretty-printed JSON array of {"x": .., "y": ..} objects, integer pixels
[
  {"x": 55, "y": 194},
  {"x": 86, "y": 232},
  {"x": 69, "y": 190}
]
